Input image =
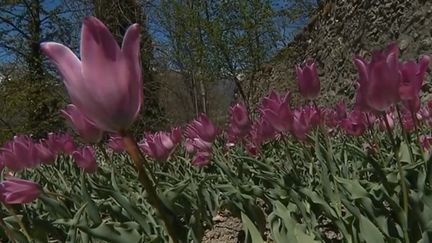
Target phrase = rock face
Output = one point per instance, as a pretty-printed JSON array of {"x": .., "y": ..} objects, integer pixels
[{"x": 342, "y": 28}]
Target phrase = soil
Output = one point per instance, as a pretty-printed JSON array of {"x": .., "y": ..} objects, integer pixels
[{"x": 226, "y": 229}]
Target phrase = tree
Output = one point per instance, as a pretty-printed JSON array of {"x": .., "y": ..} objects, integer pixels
[{"x": 23, "y": 25}]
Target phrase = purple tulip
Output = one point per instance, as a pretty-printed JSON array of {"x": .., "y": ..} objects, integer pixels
[
  {"x": 202, "y": 159},
  {"x": 276, "y": 110},
  {"x": 85, "y": 158},
  {"x": 160, "y": 145},
  {"x": 354, "y": 124},
  {"x": 200, "y": 135},
  {"x": 305, "y": 119},
  {"x": 413, "y": 75},
  {"x": 45, "y": 153},
  {"x": 20, "y": 153},
  {"x": 83, "y": 126},
  {"x": 240, "y": 123},
  {"x": 379, "y": 80},
  {"x": 18, "y": 191},
  {"x": 115, "y": 143},
  {"x": 106, "y": 84},
  {"x": 61, "y": 143},
  {"x": 307, "y": 79}
]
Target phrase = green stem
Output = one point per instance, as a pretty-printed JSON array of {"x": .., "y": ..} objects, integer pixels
[
  {"x": 402, "y": 180},
  {"x": 175, "y": 229},
  {"x": 405, "y": 135}
]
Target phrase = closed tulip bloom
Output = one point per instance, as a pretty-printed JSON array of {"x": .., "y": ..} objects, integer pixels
[
  {"x": 413, "y": 75},
  {"x": 85, "y": 158},
  {"x": 240, "y": 123},
  {"x": 160, "y": 145},
  {"x": 378, "y": 80},
  {"x": 307, "y": 79},
  {"x": 83, "y": 126},
  {"x": 18, "y": 191},
  {"x": 106, "y": 83}
]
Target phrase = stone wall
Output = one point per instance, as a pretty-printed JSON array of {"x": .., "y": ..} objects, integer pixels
[{"x": 342, "y": 28}]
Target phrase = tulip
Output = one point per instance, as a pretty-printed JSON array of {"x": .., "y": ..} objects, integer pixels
[
  {"x": 390, "y": 121},
  {"x": 413, "y": 75},
  {"x": 240, "y": 123},
  {"x": 85, "y": 158},
  {"x": 83, "y": 126},
  {"x": 304, "y": 120},
  {"x": 276, "y": 110},
  {"x": 379, "y": 80},
  {"x": 200, "y": 135},
  {"x": 59, "y": 142},
  {"x": 426, "y": 142},
  {"x": 202, "y": 128},
  {"x": 307, "y": 79},
  {"x": 201, "y": 159},
  {"x": 354, "y": 124},
  {"x": 105, "y": 85},
  {"x": 115, "y": 143},
  {"x": 160, "y": 145},
  {"x": 18, "y": 191},
  {"x": 20, "y": 153},
  {"x": 45, "y": 153}
]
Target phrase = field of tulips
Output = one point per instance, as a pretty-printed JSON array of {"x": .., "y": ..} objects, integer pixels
[{"x": 303, "y": 174}]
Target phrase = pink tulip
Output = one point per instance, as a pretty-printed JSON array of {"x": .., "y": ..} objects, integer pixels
[
  {"x": 83, "y": 126},
  {"x": 390, "y": 120},
  {"x": 354, "y": 124},
  {"x": 379, "y": 80},
  {"x": 200, "y": 135},
  {"x": 85, "y": 158},
  {"x": 307, "y": 79},
  {"x": 202, "y": 159},
  {"x": 160, "y": 145},
  {"x": 45, "y": 153},
  {"x": 240, "y": 123},
  {"x": 106, "y": 84},
  {"x": 426, "y": 142},
  {"x": 413, "y": 75},
  {"x": 115, "y": 143},
  {"x": 202, "y": 128},
  {"x": 61, "y": 142},
  {"x": 20, "y": 153},
  {"x": 305, "y": 119},
  {"x": 18, "y": 191},
  {"x": 277, "y": 112}
]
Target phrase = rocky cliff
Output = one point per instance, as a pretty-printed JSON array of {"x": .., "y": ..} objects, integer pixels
[{"x": 341, "y": 28}]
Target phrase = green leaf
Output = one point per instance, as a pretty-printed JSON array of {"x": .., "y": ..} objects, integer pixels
[
  {"x": 369, "y": 232},
  {"x": 251, "y": 229}
]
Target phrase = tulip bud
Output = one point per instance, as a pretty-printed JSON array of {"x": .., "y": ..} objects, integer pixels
[{"x": 307, "y": 79}]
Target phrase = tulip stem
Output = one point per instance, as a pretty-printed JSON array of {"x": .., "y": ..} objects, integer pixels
[
  {"x": 402, "y": 177},
  {"x": 405, "y": 135},
  {"x": 174, "y": 229}
]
